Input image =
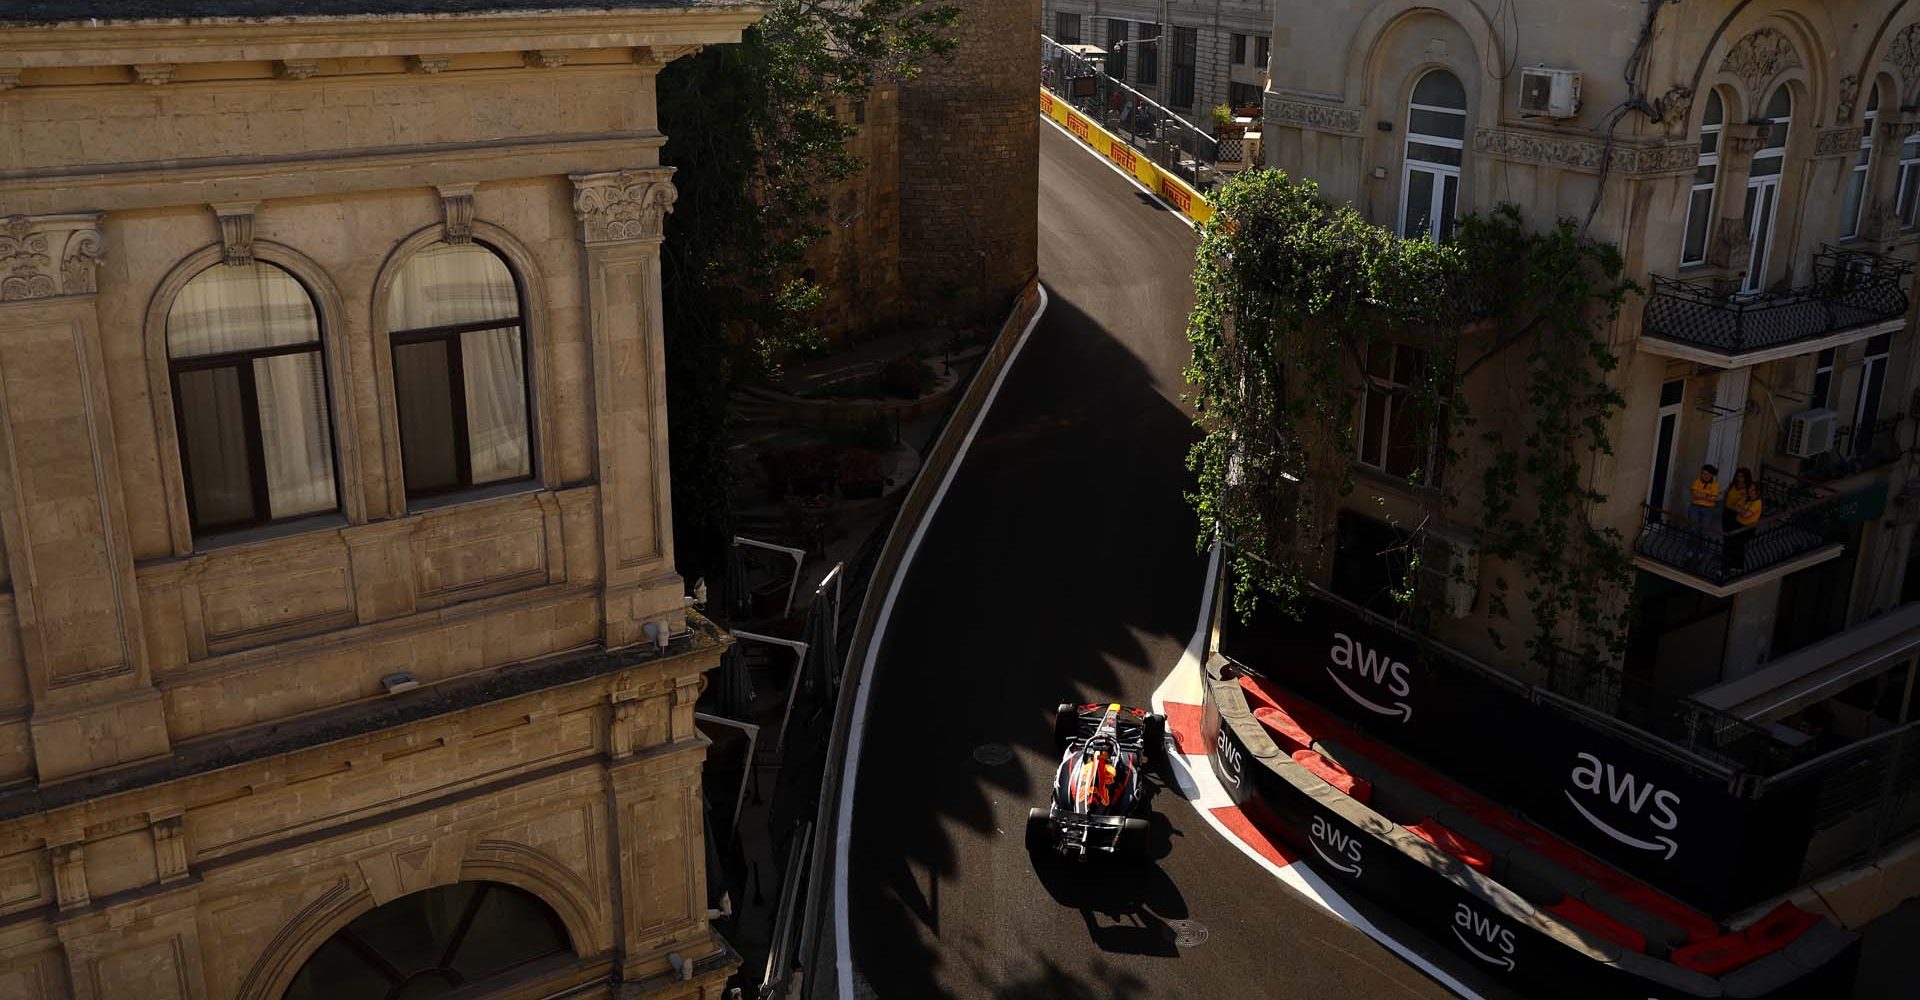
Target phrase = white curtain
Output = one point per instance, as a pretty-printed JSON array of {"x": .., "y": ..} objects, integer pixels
[
  {"x": 495, "y": 368},
  {"x": 443, "y": 284},
  {"x": 227, "y": 308}
]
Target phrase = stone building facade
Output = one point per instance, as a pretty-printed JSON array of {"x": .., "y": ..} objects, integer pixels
[
  {"x": 1761, "y": 177},
  {"x": 1208, "y": 54},
  {"x": 341, "y": 648},
  {"x": 857, "y": 261}
]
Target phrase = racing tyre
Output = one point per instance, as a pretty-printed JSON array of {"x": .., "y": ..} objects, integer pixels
[
  {"x": 1153, "y": 736},
  {"x": 1039, "y": 837},
  {"x": 1136, "y": 841},
  {"x": 1066, "y": 725}
]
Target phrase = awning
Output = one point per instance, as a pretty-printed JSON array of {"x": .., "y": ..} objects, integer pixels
[{"x": 1820, "y": 671}]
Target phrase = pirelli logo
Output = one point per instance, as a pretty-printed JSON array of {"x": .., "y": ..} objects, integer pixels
[
  {"x": 1123, "y": 155},
  {"x": 1176, "y": 194},
  {"x": 1078, "y": 126}
]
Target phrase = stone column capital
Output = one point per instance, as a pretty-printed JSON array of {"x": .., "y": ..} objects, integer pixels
[
  {"x": 44, "y": 256},
  {"x": 622, "y": 206}
]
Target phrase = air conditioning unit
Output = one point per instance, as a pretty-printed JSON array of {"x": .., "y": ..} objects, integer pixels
[
  {"x": 1810, "y": 432},
  {"x": 1549, "y": 93},
  {"x": 1454, "y": 557}
]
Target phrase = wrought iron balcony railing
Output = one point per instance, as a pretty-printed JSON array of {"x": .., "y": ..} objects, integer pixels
[
  {"x": 1857, "y": 448},
  {"x": 1851, "y": 289},
  {"x": 1722, "y": 557}
]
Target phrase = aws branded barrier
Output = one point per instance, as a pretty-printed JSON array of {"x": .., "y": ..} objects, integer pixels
[
  {"x": 1683, "y": 828},
  {"x": 1358, "y": 850},
  {"x": 1134, "y": 162}
]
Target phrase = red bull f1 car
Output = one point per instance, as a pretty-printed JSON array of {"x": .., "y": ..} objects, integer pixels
[{"x": 1099, "y": 805}]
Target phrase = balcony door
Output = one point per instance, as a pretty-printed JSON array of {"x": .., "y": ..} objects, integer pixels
[{"x": 1763, "y": 189}]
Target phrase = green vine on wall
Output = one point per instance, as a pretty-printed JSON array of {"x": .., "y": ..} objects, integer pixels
[{"x": 1295, "y": 298}]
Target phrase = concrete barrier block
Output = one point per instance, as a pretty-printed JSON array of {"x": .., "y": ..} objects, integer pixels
[
  {"x": 1853, "y": 897},
  {"x": 1900, "y": 872}
]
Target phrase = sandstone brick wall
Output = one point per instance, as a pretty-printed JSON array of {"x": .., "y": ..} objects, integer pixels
[
  {"x": 969, "y": 165},
  {"x": 857, "y": 263}
]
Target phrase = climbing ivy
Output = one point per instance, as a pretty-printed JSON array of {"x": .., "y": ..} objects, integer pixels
[{"x": 1295, "y": 297}]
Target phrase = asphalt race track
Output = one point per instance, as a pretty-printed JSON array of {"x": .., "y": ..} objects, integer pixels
[{"x": 1063, "y": 565}]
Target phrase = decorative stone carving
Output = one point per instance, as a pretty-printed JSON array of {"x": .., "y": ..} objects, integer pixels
[
  {"x": 1849, "y": 94},
  {"x": 1759, "y": 59},
  {"x": 623, "y": 205},
  {"x": 1323, "y": 117},
  {"x": 456, "y": 213},
  {"x": 1583, "y": 154},
  {"x": 427, "y": 64},
  {"x": 1675, "y": 107},
  {"x": 1904, "y": 54},
  {"x": 70, "y": 875},
  {"x": 154, "y": 74},
  {"x": 298, "y": 70},
  {"x": 1837, "y": 141},
  {"x": 236, "y": 231},
  {"x": 1742, "y": 139},
  {"x": 546, "y": 58},
  {"x": 48, "y": 255},
  {"x": 1878, "y": 223},
  {"x": 170, "y": 848},
  {"x": 1732, "y": 242},
  {"x": 9, "y": 77}
]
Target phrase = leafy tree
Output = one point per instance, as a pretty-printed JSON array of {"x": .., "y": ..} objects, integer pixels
[{"x": 758, "y": 135}]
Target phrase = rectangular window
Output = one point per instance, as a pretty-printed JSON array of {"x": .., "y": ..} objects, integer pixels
[
  {"x": 1665, "y": 437},
  {"x": 1239, "y": 49},
  {"x": 1700, "y": 202},
  {"x": 1066, "y": 29},
  {"x": 1389, "y": 439},
  {"x": 1822, "y": 379},
  {"x": 1260, "y": 51},
  {"x": 1909, "y": 182},
  {"x": 1243, "y": 96},
  {"x": 1857, "y": 177},
  {"x": 1186, "y": 47},
  {"x": 1150, "y": 53},
  {"x": 1873, "y": 381},
  {"x": 1116, "y": 48}
]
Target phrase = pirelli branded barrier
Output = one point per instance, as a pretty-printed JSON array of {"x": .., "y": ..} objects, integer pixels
[
  {"x": 1135, "y": 163},
  {"x": 1682, "y": 829},
  {"x": 1363, "y": 854}
]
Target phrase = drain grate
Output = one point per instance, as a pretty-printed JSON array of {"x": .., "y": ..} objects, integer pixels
[
  {"x": 993, "y": 754},
  {"x": 1187, "y": 933}
]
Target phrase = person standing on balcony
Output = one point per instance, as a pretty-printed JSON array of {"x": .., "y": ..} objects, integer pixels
[
  {"x": 1741, "y": 514},
  {"x": 1703, "y": 507}
]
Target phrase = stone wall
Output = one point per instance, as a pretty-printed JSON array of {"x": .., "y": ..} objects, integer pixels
[
  {"x": 969, "y": 166},
  {"x": 857, "y": 262}
]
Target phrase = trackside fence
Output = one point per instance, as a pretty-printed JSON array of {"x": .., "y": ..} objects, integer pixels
[{"x": 1158, "y": 133}]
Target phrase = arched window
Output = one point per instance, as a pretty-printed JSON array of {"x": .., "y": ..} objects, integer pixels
[
  {"x": 459, "y": 370},
  {"x": 431, "y": 943},
  {"x": 1763, "y": 186},
  {"x": 1706, "y": 176},
  {"x": 250, "y": 398},
  {"x": 1857, "y": 178},
  {"x": 1908, "y": 185},
  {"x": 1436, "y": 138}
]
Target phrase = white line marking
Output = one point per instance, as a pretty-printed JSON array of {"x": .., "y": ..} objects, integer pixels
[
  {"x": 856, "y": 733},
  {"x": 1115, "y": 167},
  {"x": 1202, "y": 788}
]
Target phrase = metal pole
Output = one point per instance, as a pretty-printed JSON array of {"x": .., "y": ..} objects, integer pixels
[{"x": 793, "y": 687}]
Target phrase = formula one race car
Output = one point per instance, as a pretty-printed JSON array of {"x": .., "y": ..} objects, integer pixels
[{"x": 1098, "y": 802}]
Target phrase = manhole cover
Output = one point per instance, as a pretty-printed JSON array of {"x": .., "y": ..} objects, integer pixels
[
  {"x": 993, "y": 754},
  {"x": 1187, "y": 933}
]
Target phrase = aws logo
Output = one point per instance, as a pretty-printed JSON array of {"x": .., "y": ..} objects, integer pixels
[
  {"x": 1376, "y": 669},
  {"x": 1345, "y": 847},
  {"x": 1229, "y": 754},
  {"x": 1637, "y": 796},
  {"x": 1478, "y": 932}
]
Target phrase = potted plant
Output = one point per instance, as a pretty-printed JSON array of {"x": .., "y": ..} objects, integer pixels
[
  {"x": 862, "y": 474},
  {"x": 905, "y": 376}
]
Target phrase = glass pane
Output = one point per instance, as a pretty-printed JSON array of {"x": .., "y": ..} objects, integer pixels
[
  {"x": 1709, "y": 143},
  {"x": 510, "y": 929},
  {"x": 1671, "y": 393},
  {"x": 1380, "y": 363},
  {"x": 1444, "y": 124},
  {"x": 1873, "y": 101},
  {"x": 1662, "y": 460},
  {"x": 1403, "y": 448},
  {"x": 495, "y": 370},
  {"x": 240, "y": 308},
  {"x": 1909, "y": 191},
  {"x": 1698, "y": 208},
  {"x": 1762, "y": 231},
  {"x": 1449, "y": 194},
  {"x": 1433, "y": 154},
  {"x": 1440, "y": 89},
  {"x": 1705, "y": 174},
  {"x": 337, "y": 970},
  {"x": 1850, "y": 214},
  {"x": 1780, "y": 106},
  {"x": 213, "y": 442},
  {"x": 1875, "y": 383},
  {"x": 1766, "y": 166},
  {"x": 1419, "y": 204},
  {"x": 413, "y": 932},
  {"x": 423, "y": 395},
  {"x": 296, "y": 442},
  {"x": 1716, "y": 112},
  {"x": 443, "y": 284},
  {"x": 1373, "y": 415}
]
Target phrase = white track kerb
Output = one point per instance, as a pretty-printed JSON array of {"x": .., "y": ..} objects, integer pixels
[
  {"x": 857, "y": 730},
  {"x": 1194, "y": 774}
]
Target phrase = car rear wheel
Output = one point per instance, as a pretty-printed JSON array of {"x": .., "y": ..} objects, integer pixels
[
  {"x": 1136, "y": 843},
  {"x": 1038, "y": 835},
  {"x": 1066, "y": 725},
  {"x": 1153, "y": 735}
]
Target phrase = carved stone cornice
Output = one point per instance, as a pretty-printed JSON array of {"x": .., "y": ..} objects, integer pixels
[
  {"x": 545, "y": 58},
  {"x": 1742, "y": 139},
  {"x": 1320, "y": 117},
  {"x": 456, "y": 213},
  {"x": 236, "y": 231},
  {"x": 1583, "y": 154},
  {"x": 427, "y": 64},
  {"x": 1849, "y": 94},
  {"x": 623, "y": 205},
  {"x": 9, "y": 77},
  {"x": 45, "y": 256},
  {"x": 1837, "y": 141},
  {"x": 298, "y": 69},
  {"x": 657, "y": 56},
  {"x": 1759, "y": 59},
  {"x": 154, "y": 74}
]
